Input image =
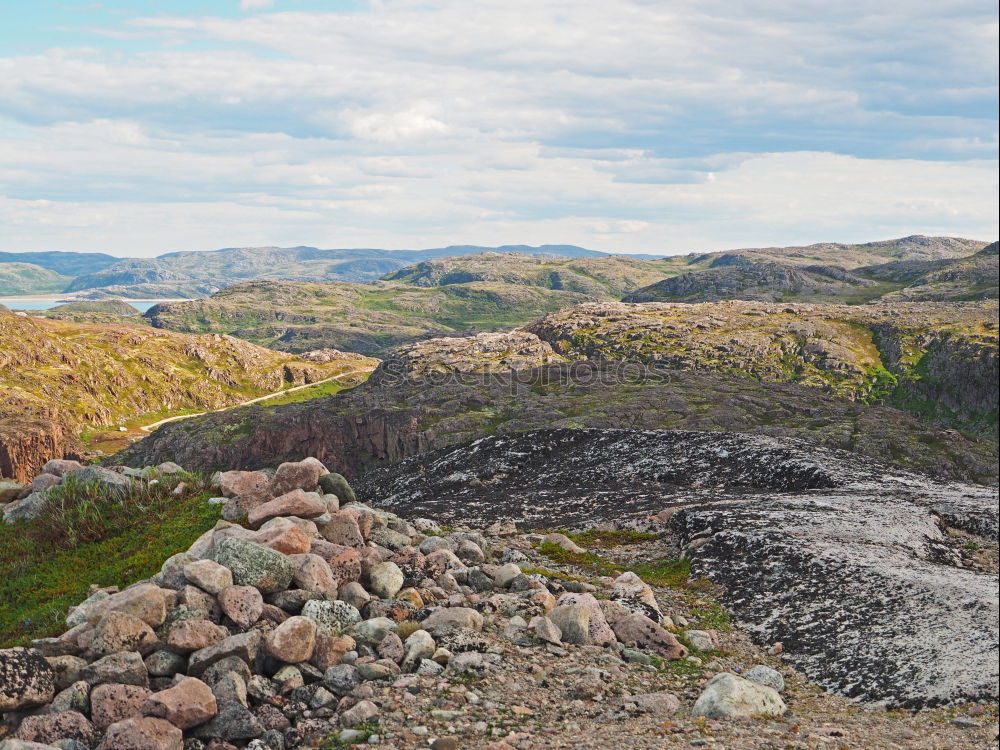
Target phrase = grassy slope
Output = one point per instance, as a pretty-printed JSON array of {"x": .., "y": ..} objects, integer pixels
[
  {"x": 98, "y": 375},
  {"x": 27, "y": 278},
  {"x": 90, "y": 537}
]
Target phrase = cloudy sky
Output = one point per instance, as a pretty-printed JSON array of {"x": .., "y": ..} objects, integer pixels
[{"x": 138, "y": 127}]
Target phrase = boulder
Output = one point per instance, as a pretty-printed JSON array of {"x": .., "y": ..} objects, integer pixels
[
  {"x": 189, "y": 703},
  {"x": 65, "y": 725},
  {"x": 661, "y": 704},
  {"x": 255, "y": 565},
  {"x": 293, "y": 640},
  {"x": 112, "y": 702},
  {"x": 332, "y": 618},
  {"x": 385, "y": 579},
  {"x": 142, "y": 733},
  {"x": 343, "y": 529},
  {"x": 727, "y": 696},
  {"x": 241, "y": 604},
  {"x": 108, "y": 480},
  {"x": 296, "y": 475},
  {"x": 126, "y": 668},
  {"x": 641, "y": 632},
  {"x": 314, "y": 574},
  {"x": 26, "y": 679},
  {"x": 252, "y": 484},
  {"x": 243, "y": 646},
  {"x": 120, "y": 631},
  {"x": 293, "y": 503},
  {"x": 193, "y": 635},
  {"x": 60, "y": 467},
  {"x": 27, "y": 509},
  {"x": 336, "y": 484},
  {"x": 208, "y": 575},
  {"x": 636, "y": 595},
  {"x": 573, "y": 623}
]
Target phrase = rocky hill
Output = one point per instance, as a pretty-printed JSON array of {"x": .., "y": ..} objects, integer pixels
[
  {"x": 936, "y": 360},
  {"x": 27, "y": 278},
  {"x": 60, "y": 379},
  {"x": 599, "y": 278},
  {"x": 365, "y": 318},
  {"x": 396, "y": 415},
  {"x": 196, "y": 274},
  {"x": 111, "y": 311},
  {"x": 753, "y": 275},
  {"x": 316, "y": 620},
  {"x": 974, "y": 277}
]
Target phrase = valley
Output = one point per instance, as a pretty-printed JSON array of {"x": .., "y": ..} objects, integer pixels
[{"x": 606, "y": 501}]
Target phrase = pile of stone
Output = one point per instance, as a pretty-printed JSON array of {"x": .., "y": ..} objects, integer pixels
[{"x": 283, "y": 630}]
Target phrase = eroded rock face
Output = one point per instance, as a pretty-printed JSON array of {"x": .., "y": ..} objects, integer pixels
[{"x": 842, "y": 559}]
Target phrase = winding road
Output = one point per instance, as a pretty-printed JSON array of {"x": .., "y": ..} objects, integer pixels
[{"x": 154, "y": 425}]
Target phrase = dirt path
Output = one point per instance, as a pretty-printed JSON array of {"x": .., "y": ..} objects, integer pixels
[{"x": 154, "y": 425}]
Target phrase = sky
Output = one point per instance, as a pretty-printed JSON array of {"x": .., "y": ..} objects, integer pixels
[{"x": 138, "y": 127}]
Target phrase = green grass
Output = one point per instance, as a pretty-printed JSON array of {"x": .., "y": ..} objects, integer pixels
[
  {"x": 607, "y": 539},
  {"x": 88, "y": 536},
  {"x": 306, "y": 394},
  {"x": 674, "y": 574}
]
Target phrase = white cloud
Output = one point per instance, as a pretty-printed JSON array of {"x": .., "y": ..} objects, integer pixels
[
  {"x": 246, "y": 5},
  {"x": 622, "y": 124}
]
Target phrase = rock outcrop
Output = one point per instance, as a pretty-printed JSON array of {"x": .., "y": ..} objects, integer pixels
[{"x": 847, "y": 562}]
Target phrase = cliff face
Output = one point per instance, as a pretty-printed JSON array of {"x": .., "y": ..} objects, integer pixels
[
  {"x": 383, "y": 422},
  {"x": 26, "y": 444}
]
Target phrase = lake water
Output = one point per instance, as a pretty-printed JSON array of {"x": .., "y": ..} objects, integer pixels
[{"x": 33, "y": 303}]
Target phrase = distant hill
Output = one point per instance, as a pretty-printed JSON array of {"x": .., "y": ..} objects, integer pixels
[
  {"x": 596, "y": 276},
  {"x": 923, "y": 268},
  {"x": 28, "y": 278},
  {"x": 65, "y": 263},
  {"x": 198, "y": 274}
]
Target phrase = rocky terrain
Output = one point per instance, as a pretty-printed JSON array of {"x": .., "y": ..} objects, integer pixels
[
  {"x": 598, "y": 278},
  {"x": 61, "y": 379},
  {"x": 111, "y": 311},
  {"x": 770, "y": 521},
  {"x": 312, "y": 619},
  {"x": 749, "y": 276},
  {"x": 391, "y": 417},
  {"x": 365, "y": 318},
  {"x": 936, "y": 360},
  {"x": 196, "y": 274}
]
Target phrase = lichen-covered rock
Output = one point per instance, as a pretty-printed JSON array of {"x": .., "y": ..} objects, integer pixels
[
  {"x": 187, "y": 704},
  {"x": 293, "y": 640},
  {"x": 255, "y": 565},
  {"x": 142, "y": 733},
  {"x": 336, "y": 484},
  {"x": 727, "y": 696},
  {"x": 208, "y": 575},
  {"x": 111, "y": 702},
  {"x": 119, "y": 631},
  {"x": 26, "y": 679},
  {"x": 126, "y": 668},
  {"x": 641, "y": 632},
  {"x": 331, "y": 617},
  {"x": 65, "y": 725}
]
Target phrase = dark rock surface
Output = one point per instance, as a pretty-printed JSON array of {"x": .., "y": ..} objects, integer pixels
[
  {"x": 846, "y": 561},
  {"x": 378, "y": 424}
]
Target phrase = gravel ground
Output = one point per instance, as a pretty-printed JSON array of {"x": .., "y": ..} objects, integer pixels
[{"x": 574, "y": 698}]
